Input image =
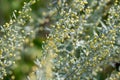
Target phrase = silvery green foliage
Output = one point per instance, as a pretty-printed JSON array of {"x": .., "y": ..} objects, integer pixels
[
  {"x": 84, "y": 39},
  {"x": 12, "y": 36},
  {"x": 38, "y": 74}
]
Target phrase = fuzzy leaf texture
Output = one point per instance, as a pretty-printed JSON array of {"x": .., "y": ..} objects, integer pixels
[
  {"x": 84, "y": 40},
  {"x": 12, "y": 37}
]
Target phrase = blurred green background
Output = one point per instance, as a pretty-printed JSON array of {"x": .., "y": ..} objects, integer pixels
[
  {"x": 26, "y": 62},
  {"x": 8, "y": 6}
]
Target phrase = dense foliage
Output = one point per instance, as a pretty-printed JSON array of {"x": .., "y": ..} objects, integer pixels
[{"x": 80, "y": 41}]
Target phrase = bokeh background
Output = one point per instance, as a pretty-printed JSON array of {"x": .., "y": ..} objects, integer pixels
[{"x": 25, "y": 63}]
